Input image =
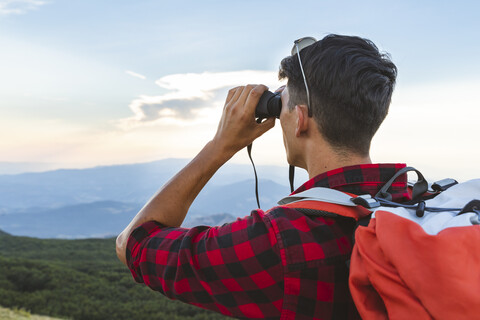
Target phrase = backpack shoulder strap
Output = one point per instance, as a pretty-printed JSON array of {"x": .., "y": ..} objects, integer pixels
[{"x": 330, "y": 203}]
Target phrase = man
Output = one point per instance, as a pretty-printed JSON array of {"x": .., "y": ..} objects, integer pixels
[{"x": 280, "y": 263}]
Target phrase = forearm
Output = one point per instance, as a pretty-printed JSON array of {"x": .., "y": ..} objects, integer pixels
[{"x": 170, "y": 204}]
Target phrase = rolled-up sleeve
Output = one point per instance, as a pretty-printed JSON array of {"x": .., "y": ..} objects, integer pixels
[{"x": 235, "y": 269}]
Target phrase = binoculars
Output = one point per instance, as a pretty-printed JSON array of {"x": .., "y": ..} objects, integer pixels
[{"x": 270, "y": 105}]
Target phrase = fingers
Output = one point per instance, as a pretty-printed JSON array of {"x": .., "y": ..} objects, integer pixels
[
  {"x": 233, "y": 95},
  {"x": 246, "y": 97},
  {"x": 253, "y": 96},
  {"x": 231, "y": 92}
]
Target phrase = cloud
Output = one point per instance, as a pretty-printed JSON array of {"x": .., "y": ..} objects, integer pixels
[
  {"x": 8, "y": 7},
  {"x": 190, "y": 95},
  {"x": 136, "y": 75}
]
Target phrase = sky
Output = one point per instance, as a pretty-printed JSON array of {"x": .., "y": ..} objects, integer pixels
[{"x": 88, "y": 83}]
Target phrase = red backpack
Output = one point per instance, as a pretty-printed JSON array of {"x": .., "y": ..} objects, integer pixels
[{"x": 418, "y": 259}]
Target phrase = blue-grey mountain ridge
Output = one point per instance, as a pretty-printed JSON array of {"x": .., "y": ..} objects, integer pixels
[{"x": 100, "y": 201}]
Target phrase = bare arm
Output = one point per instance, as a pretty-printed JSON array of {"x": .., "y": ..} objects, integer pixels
[{"x": 237, "y": 129}]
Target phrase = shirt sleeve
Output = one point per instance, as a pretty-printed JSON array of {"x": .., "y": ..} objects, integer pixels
[{"x": 235, "y": 269}]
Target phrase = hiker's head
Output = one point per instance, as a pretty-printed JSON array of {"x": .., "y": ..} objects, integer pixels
[{"x": 350, "y": 86}]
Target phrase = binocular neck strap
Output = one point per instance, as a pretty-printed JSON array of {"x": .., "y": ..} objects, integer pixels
[
  {"x": 249, "y": 150},
  {"x": 291, "y": 177}
]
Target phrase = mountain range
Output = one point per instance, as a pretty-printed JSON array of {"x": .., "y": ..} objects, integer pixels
[{"x": 100, "y": 201}]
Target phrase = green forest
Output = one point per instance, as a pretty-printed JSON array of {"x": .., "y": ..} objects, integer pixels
[{"x": 79, "y": 279}]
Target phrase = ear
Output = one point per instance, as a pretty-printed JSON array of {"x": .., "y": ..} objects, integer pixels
[{"x": 302, "y": 119}]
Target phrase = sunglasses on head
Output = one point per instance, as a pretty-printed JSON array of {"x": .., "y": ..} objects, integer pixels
[{"x": 299, "y": 45}]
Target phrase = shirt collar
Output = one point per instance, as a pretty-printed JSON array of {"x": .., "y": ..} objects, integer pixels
[{"x": 362, "y": 179}]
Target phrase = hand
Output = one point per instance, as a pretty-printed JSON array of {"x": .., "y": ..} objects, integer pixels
[{"x": 237, "y": 127}]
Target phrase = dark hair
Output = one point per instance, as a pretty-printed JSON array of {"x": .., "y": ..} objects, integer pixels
[{"x": 350, "y": 84}]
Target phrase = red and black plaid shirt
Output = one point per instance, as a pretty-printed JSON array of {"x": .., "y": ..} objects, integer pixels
[{"x": 278, "y": 264}]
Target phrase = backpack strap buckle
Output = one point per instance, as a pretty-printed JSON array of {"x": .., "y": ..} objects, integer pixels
[
  {"x": 366, "y": 201},
  {"x": 444, "y": 184}
]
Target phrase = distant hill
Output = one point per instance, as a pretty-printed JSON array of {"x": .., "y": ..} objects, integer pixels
[
  {"x": 100, "y": 201},
  {"x": 3, "y": 233},
  {"x": 91, "y": 220},
  {"x": 21, "y": 167},
  {"x": 134, "y": 183}
]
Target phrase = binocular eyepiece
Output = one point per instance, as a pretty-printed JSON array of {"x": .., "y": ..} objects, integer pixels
[{"x": 270, "y": 105}]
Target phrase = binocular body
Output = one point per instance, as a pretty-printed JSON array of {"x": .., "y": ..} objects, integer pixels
[{"x": 270, "y": 105}]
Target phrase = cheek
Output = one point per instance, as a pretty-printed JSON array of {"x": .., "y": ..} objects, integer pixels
[
  {"x": 284, "y": 128},
  {"x": 285, "y": 138}
]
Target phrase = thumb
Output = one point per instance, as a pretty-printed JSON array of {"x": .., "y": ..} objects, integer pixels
[{"x": 266, "y": 125}]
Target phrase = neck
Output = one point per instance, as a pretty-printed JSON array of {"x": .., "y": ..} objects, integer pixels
[{"x": 324, "y": 158}]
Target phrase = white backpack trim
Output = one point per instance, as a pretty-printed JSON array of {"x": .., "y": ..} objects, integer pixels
[
  {"x": 455, "y": 197},
  {"x": 432, "y": 222}
]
